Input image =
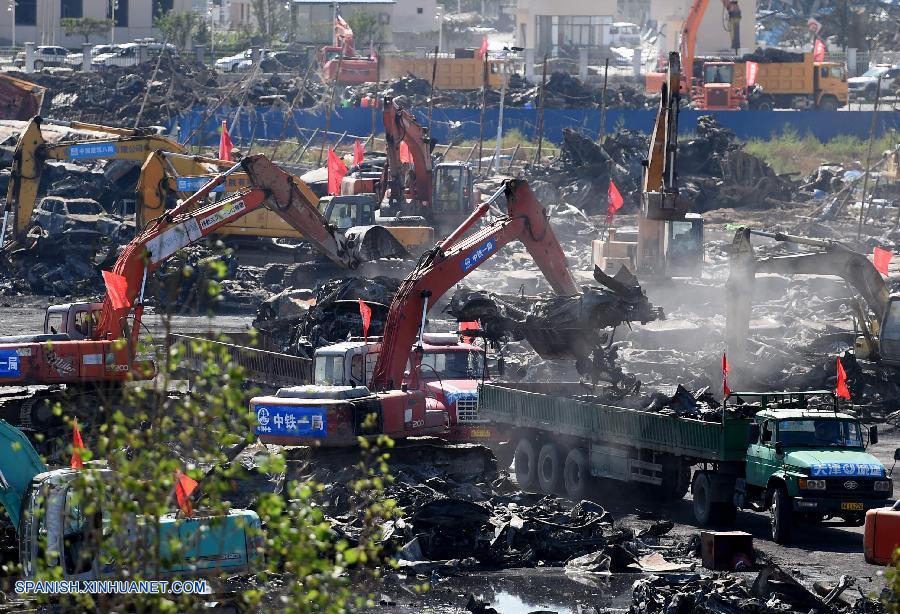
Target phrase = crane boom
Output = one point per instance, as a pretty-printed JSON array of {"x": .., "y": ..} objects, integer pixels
[{"x": 456, "y": 257}]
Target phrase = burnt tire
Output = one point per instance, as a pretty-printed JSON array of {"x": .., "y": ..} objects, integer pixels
[
  {"x": 576, "y": 474},
  {"x": 781, "y": 516},
  {"x": 550, "y": 469},
  {"x": 525, "y": 464}
]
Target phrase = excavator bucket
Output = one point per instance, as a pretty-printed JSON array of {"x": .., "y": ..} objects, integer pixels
[
  {"x": 20, "y": 99},
  {"x": 368, "y": 243}
]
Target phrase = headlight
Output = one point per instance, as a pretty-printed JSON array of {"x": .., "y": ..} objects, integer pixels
[
  {"x": 883, "y": 486},
  {"x": 812, "y": 484}
]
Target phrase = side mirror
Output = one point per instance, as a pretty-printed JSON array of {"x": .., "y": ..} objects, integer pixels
[
  {"x": 873, "y": 435},
  {"x": 779, "y": 450},
  {"x": 752, "y": 434}
]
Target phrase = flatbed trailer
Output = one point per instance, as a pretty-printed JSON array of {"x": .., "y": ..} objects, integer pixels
[{"x": 798, "y": 455}]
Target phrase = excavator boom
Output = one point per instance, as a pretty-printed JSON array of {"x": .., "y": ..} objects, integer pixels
[{"x": 400, "y": 126}]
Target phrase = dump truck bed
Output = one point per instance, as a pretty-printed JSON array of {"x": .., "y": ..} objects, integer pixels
[{"x": 554, "y": 408}]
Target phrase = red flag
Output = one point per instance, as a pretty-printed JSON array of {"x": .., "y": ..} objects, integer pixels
[
  {"x": 615, "y": 201},
  {"x": 184, "y": 486},
  {"x": 359, "y": 152},
  {"x": 77, "y": 444},
  {"x": 225, "y": 144},
  {"x": 405, "y": 156},
  {"x": 819, "y": 51},
  {"x": 725, "y": 389},
  {"x": 882, "y": 258},
  {"x": 841, "y": 389},
  {"x": 336, "y": 171},
  {"x": 366, "y": 312},
  {"x": 468, "y": 326},
  {"x": 752, "y": 69},
  {"x": 116, "y": 290},
  {"x": 484, "y": 48}
]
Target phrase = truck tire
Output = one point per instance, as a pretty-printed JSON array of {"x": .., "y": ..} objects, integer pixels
[
  {"x": 703, "y": 506},
  {"x": 525, "y": 464},
  {"x": 576, "y": 475},
  {"x": 676, "y": 478},
  {"x": 549, "y": 469},
  {"x": 782, "y": 516},
  {"x": 766, "y": 103},
  {"x": 828, "y": 103}
]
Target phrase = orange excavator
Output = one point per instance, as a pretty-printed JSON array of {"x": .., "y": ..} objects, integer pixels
[
  {"x": 341, "y": 63},
  {"x": 336, "y": 416},
  {"x": 94, "y": 343}
]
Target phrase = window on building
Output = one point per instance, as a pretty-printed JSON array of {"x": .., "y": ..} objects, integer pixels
[
  {"x": 564, "y": 33},
  {"x": 419, "y": 10},
  {"x": 26, "y": 13},
  {"x": 118, "y": 10},
  {"x": 70, "y": 8},
  {"x": 161, "y": 7}
]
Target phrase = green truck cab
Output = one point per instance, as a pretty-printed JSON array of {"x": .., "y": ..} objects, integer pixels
[{"x": 807, "y": 461}]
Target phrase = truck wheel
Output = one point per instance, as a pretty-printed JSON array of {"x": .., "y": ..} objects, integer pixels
[
  {"x": 781, "y": 516},
  {"x": 525, "y": 464},
  {"x": 703, "y": 507},
  {"x": 765, "y": 104},
  {"x": 828, "y": 104},
  {"x": 676, "y": 476},
  {"x": 576, "y": 475},
  {"x": 549, "y": 469},
  {"x": 38, "y": 64}
]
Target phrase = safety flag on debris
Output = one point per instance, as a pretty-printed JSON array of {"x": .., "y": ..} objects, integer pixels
[
  {"x": 359, "y": 152},
  {"x": 841, "y": 390},
  {"x": 725, "y": 389},
  {"x": 484, "y": 48},
  {"x": 77, "y": 445},
  {"x": 819, "y": 50},
  {"x": 336, "y": 171},
  {"x": 405, "y": 155},
  {"x": 366, "y": 313},
  {"x": 752, "y": 70},
  {"x": 615, "y": 201},
  {"x": 881, "y": 258},
  {"x": 116, "y": 290},
  {"x": 225, "y": 144},
  {"x": 184, "y": 486}
]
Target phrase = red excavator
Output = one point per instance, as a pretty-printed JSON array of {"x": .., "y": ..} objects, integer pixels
[
  {"x": 390, "y": 387},
  {"x": 340, "y": 62},
  {"x": 95, "y": 343}
]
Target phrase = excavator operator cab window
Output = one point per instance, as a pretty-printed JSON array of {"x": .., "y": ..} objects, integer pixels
[
  {"x": 329, "y": 370},
  {"x": 79, "y": 531},
  {"x": 85, "y": 322},
  {"x": 448, "y": 196},
  {"x": 54, "y": 323},
  {"x": 719, "y": 73},
  {"x": 344, "y": 216}
]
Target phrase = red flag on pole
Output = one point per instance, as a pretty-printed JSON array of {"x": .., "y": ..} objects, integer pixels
[
  {"x": 881, "y": 258},
  {"x": 359, "y": 152},
  {"x": 77, "y": 444},
  {"x": 819, "y": 50},
  {"x": 366, "y": 312},
  {"x": 225, "y": 144},
  {"x": 116, "y": 290},
  {"x": 484, "y": 48},
  {"x": 405, "y": 156},
  {"x": 841, "y": 390},
  {"x": 336, "y": 171},
  {"x": 752, "y": 70},
  {"x": 615, "y": 201},
  {"x": 184, "y": 486},
  {"x": 725, "y": 389}
]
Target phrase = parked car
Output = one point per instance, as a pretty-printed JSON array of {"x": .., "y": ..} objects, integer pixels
[
  {"x": 128, "y": 54},
  {"x": 624, "y": 34},
  {"x": 44, "y": 55},
  {"x": 240, "y": 61},
  {"x": 55, "y": 214},
  {"x": 75, "y": 58},
  {"x": 866, "y": 84}
]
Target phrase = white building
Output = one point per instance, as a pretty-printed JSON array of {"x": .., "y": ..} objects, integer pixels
[
  {"x": 549, "y": 27},
  {"x": 712, "y": 37},
  {"x": 38, "y": 20}
]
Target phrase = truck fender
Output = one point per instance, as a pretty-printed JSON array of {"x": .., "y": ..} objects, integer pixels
[{"x": 776, "y": 480}]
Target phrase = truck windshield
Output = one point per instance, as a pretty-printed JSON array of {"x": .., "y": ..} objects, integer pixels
[
  {"x": 329, "y": 370},
  {"x": 452, "y": 365},
  {"x": 719, "y": 73},
  {"x": 819, "y": 433}
]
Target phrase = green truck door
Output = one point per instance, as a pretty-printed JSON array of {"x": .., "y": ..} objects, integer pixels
[{"x": 761, "y": 461}]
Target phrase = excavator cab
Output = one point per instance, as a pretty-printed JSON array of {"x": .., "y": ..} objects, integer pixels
[
  {"x": 684, "y": 246},
  {"x": 718, "y": 93},
  {"x": 452, "y": 197},
  {"x": 889, "y": 334}
]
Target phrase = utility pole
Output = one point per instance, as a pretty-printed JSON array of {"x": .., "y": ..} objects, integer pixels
[
  {"x": 12, "y": 9},
  {"x": 540, "y": 126},
  {"x": 433, "y": 79},
  {"x": 863, "y": 212},
  {"x": 602, "y": 132},
  {"x": 112, "y": 29},
  {"x": 496, "y": 160},
  {"x": 484, "y": 86}
]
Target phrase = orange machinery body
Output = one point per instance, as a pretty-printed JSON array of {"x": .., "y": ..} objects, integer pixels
[
  {"x": 881, "y": 536},
  {"x": 348, "y": 70},
  {"x": 71, "y": 362}
]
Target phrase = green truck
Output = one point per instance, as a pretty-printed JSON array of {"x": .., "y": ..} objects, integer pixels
[
  {"x": 57, "y": 538},
  {"x": 795, "y": 454}
]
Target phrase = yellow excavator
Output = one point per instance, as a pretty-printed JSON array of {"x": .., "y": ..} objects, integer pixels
[
  {"x": 166, "y": 176},
  {"x": 877, "y": 311}
]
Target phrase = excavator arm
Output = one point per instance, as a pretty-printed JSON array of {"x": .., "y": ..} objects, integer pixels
[
  {"x": 400, "y": 126},
  {"x": 688, "y": 44},
  {"x": 454, "y": 258},
  {"x": 32, "y": 152},
  {"x": 19, "y": 463},
  {"x": 829, "y": 258},
  {"x": 187, "y": 224}
]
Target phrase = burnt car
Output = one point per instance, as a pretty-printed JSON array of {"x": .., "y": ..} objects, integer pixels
[{"x": 55, "y": 214}]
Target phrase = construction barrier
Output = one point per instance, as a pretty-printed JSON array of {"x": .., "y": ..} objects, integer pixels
[{"x": 257, "y": 125}]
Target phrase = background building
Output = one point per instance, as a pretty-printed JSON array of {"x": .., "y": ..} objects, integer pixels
[
  {"x": 712, "y": 37},
  {"x": 555, "y": 27}
]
